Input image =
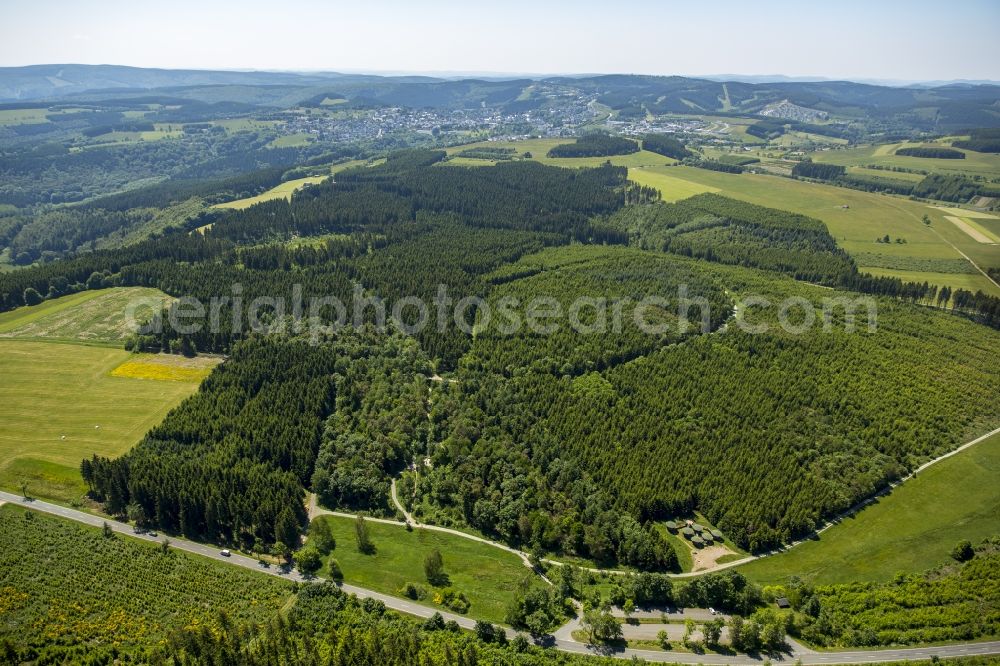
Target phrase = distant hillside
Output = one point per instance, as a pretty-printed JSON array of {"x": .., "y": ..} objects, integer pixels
[
  {"x": 53, "y": 81},
  {"x": 945, "y": 108}
]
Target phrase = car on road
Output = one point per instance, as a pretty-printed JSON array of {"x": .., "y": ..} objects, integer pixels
[
  {"x": 225, "y": 552},
  {"x": 713, "y": 611},
  {"x": 153, "y": 534}
]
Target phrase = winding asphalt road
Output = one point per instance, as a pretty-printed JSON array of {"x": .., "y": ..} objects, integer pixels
[{"x": 562, "y": 639}]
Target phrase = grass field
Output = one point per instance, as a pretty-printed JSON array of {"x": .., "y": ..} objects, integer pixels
[
  {"x": 98, "y": 316},
  {"x": 488, "y": 576},
  {"x": 286, "y": 189},
  {"x": 65, "y": 584},
  {"x": 912, "y": 529},
  {"x": 671, "y": 188},
  {"x": 54, "y": 396},
  {"x": 23, "y": 116},
  {"x": 283, "y": 191},
  {"x": 292, "y": 140},
  {"x": 969, "y": 281}
]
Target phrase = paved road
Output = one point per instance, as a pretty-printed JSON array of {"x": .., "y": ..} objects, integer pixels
[
  {"x": 235, "y": 559},
  {"x": 563, "y": 637}
]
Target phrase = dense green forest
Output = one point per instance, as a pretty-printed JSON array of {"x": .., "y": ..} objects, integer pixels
[
  {"x": 953, "y": 188},
  {"x": 231, "y": 461},
  {"x": 595, "y": 145},
  {"x": 940, "y": 153},
  {"x": 981, "y": 141},
  {"x": 666, "y": 145},
  {"x": 808, "y": 169},
  {"x": 558, "y": 441},
  {"x": 714, "y": 165},
  {"x": 671, "y": 467},
  {"x": 717, "y": 228}
]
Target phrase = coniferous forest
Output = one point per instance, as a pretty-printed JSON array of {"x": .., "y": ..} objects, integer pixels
[{"x": 563, "y": 442}]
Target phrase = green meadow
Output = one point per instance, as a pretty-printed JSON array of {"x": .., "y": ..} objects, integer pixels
[
  {"x": 488, "y": 576},
  {"x": 60, "y": 402},
  {"x": 287, "y": 188}
]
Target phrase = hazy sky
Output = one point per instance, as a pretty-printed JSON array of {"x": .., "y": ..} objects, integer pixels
[{"x": 917, "y": 40}]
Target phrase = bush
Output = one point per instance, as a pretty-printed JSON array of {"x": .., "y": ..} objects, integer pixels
[
  {"x": 309, "y": 561},
  {"x": 320, "y": 536},
  {"x": 963, "y": 551},
  {"x": 333, "y": 567},
  {"x": 413, "y": 591}
]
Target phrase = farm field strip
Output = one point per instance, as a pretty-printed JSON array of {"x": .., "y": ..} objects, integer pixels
[
  {"x": 966, "y": 212},
  {"x": 93, "y": 316},
  {"x": 282, "y": 191},
  {"x": 974, "y": 231}
]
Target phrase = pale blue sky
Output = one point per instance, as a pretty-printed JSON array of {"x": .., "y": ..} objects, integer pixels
[{"x": 919, "y": 40}]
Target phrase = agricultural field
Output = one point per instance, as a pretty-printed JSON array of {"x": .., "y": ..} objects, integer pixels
[
  {"x": 63, "y": 584},
  {"x": 60, "y": 403},
  {"x": 488, "y": 576},
  {"x": 911, "y": 529},
  {"x": 855, "y": 219},
  {"x": 167, "y": 367},
  {"x": 974, "y": 164},
  {"x": 98, "y": 316},
  {"x": 973, "y": 229}
]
